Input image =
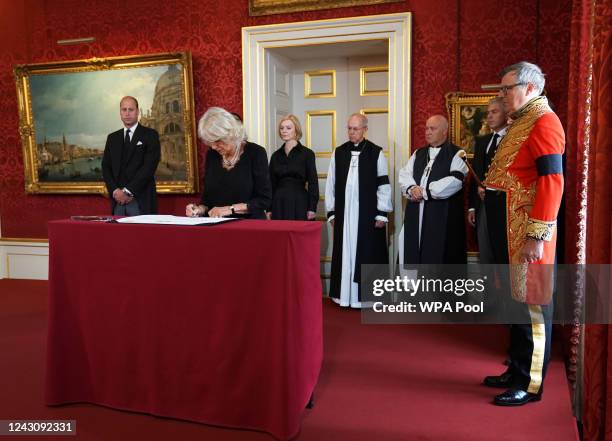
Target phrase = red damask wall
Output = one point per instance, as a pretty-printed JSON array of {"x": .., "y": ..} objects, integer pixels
[{"x": 457, "y": 45}]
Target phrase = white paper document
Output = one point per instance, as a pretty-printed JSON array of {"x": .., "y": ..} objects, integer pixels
[{"x": 166, "y": 219}]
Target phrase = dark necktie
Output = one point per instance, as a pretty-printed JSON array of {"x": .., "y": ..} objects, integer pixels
[
  {"x": 491, "y": 153},
  {"x": 126, "y": 143}
]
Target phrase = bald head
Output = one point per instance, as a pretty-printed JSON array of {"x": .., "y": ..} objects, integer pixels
[
  {"x": 357, "y": 127},
  {"x": 436, "y": 130}
]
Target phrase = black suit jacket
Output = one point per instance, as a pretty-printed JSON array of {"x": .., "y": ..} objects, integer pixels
[
  {"x": 133, "y": 168},
  {"x": 478, "y": 164}
]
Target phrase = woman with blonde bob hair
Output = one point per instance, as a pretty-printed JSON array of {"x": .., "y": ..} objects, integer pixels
[
  {"x": 293, "y": 173},
  {"x": 236, "y": 181}
]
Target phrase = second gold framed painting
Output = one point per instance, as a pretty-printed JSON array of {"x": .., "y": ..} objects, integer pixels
[
  {"x": 67, "y": 109},
  {"x": 267, "y": 7},
  {"x": 467, "y": 114}
]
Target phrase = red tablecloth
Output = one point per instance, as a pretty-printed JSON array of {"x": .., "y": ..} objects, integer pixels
[{"x": 218, "y": 324}]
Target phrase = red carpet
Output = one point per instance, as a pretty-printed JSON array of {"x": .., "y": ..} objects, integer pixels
[{"x": 379, "y": 382}]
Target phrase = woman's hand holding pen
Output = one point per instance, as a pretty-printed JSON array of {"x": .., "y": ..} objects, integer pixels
[{"x": 193, "y": 210}]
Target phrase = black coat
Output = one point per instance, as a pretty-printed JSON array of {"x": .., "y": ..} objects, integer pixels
[
  {"x": 478, "y": 164},
  {"x": 133, "y": 167}
]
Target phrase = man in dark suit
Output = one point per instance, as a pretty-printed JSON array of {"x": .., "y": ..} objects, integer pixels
[
  {"x": 484, "y": 151},
  {"x": 130, "y": 159}
]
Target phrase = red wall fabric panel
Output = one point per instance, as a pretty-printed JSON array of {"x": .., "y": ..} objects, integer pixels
[{"x": 457, "y": 45}]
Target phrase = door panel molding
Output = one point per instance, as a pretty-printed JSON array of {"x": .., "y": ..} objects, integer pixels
[{"x": 396, "y": 29}]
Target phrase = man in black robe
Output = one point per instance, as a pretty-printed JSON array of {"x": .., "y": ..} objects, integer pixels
[
  {"x": 357, "y": 200},
  {"x": 434, "y": 228}
]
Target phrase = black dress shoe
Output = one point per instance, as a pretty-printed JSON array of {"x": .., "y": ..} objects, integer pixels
[
  {"x": 515, "y": 397},
  {"x": 503, "y": 381}
]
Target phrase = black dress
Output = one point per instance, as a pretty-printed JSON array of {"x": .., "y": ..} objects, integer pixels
[
  {"x": 247, "y": 182},
  {"x": 289, "y": 175}
]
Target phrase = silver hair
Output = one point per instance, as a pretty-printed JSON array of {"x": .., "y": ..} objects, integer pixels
[
  {"x": 496, "y": 100},
  {"x": 527, "y": 73},
  {"x": 218, "y": 124},
  {"x": 364, "y": 119}
]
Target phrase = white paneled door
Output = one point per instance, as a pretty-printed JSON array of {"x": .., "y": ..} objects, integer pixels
[
  {"x": 324, "y": 92},
  {"x": 323, "y": 71}
]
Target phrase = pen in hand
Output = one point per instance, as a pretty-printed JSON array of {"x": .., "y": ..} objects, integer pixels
[{"x": 194, "y": 210}]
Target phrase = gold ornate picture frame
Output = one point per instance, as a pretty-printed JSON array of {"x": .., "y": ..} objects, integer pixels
[
  {"x": 268, "y": 7},
  {"x": 67, "y": 109},
  {"x": 467, "y": 118}
]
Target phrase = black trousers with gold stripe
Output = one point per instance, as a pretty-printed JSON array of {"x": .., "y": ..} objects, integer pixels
[
  {"x": 530, "y": 339},
  {"x": 530, "y": 348}
]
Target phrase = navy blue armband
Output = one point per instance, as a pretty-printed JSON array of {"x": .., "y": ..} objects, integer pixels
[{"x": 549, "y": 164}]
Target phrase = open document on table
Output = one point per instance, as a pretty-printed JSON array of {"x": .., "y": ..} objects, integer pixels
[{"x": 166, "y": 219}]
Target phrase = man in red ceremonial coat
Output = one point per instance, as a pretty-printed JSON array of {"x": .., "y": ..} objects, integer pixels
[{"x": 524, "y": 187}]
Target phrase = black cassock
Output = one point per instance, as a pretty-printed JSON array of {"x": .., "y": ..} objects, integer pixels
[
  {"x": 371, "y": 241},
  {"x": 443, "y": 228}
]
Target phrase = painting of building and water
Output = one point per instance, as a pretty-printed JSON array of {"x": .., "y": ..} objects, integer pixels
[{"x": 74, "y": 112}]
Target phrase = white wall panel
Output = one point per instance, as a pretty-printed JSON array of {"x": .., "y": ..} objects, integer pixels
[{"x": 24, "y": 260}]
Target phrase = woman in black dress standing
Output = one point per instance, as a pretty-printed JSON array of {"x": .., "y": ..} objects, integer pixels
[
  {"x": 236, "y": 183},
  {"x": 293, "y": 173}
]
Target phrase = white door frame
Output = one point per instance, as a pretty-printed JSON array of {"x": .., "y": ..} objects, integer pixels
[{"x": 396, "y": 28}]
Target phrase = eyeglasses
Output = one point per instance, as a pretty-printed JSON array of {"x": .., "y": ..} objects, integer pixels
[{"x": 505, "y": 89}]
